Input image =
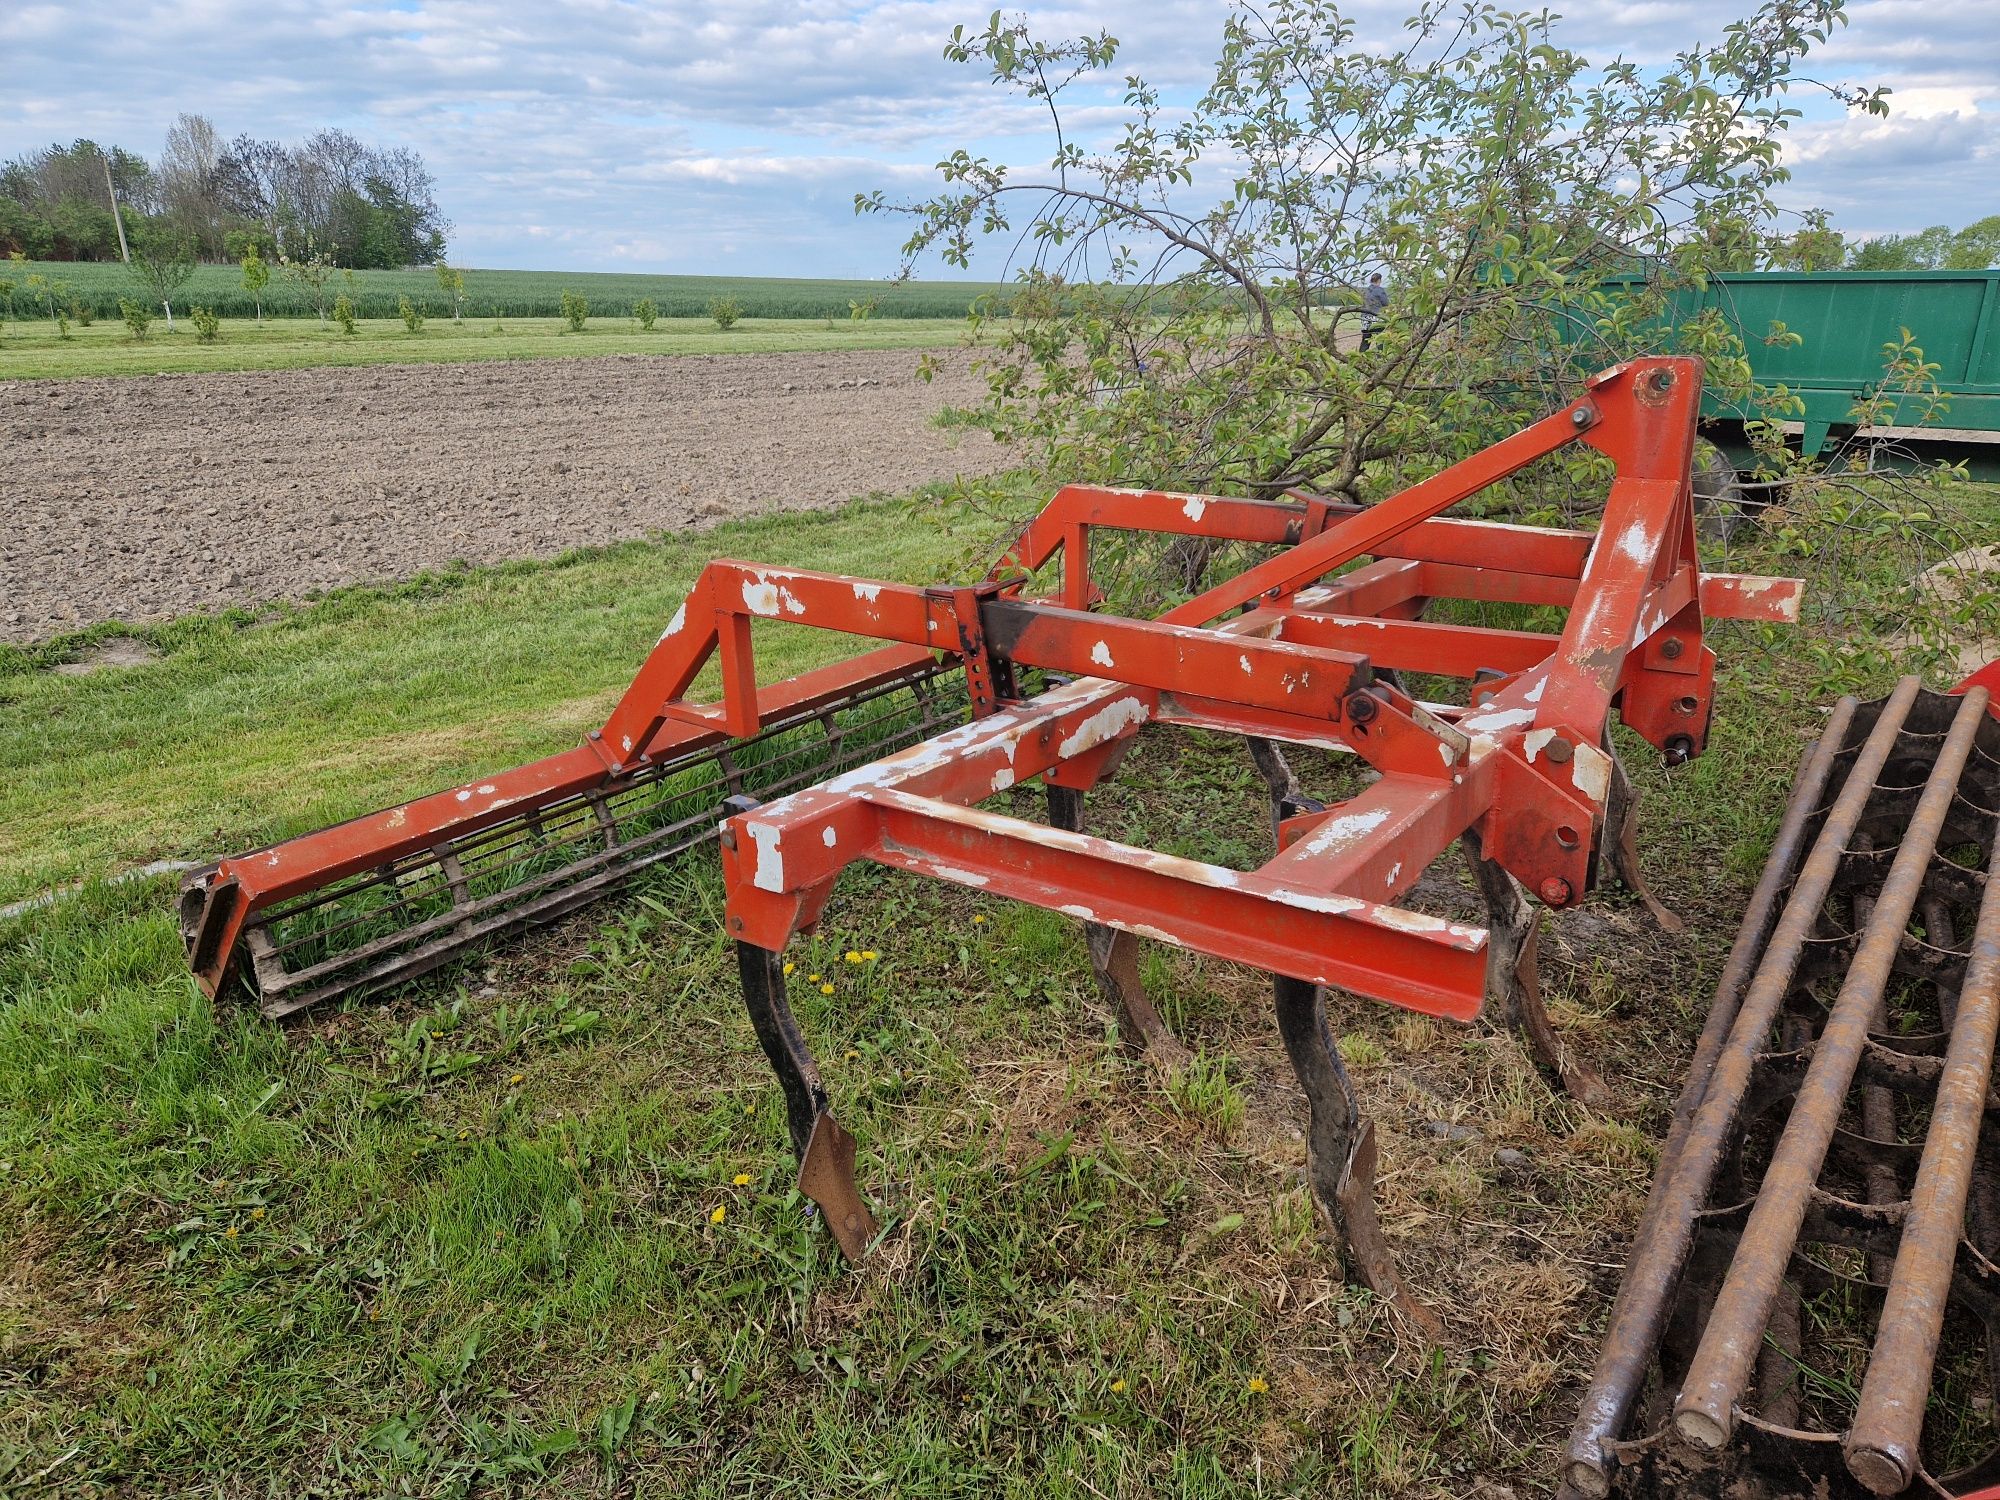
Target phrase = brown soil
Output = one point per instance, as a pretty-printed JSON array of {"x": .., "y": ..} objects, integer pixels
[{"x": 144, "y": 498}]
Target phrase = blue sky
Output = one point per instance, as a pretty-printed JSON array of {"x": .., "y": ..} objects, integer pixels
[{"x": 687, "y": 137}]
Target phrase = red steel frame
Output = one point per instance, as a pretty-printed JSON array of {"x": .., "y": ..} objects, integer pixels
[{"x": 1526, "y": 768}]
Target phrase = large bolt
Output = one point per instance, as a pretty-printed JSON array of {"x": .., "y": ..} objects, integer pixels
[
  {"x": 1580, "y": 417},
  {"x": 1555, "y": 891},
  {"x": 1361, "y": 707},
  {"x": 1672, "y": 647}
]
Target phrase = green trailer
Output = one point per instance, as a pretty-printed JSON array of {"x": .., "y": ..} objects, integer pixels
[{"x": 1843, "y": 319}]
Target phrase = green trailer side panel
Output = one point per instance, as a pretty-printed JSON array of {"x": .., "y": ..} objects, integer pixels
[{"x": 1844, "y": 319}]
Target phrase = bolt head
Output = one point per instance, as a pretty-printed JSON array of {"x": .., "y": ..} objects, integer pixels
[
  {"x": 1580, "y": 417},
  {"x": 1555, "y": 891},
  {"x": 1671, "y": 647}
]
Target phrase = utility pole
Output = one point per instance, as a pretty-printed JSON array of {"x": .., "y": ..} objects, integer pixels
[{"x": 116, "y": 217}]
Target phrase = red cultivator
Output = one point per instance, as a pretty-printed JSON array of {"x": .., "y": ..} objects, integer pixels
[{"x": 1308, "y": 656}]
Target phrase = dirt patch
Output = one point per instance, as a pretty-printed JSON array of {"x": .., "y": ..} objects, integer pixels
[
  {"x": 145, "y": 498},
  {"x": 121, "y": 651}
]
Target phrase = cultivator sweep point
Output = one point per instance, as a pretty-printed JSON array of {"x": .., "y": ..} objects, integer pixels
[
  {"x": 1309, "y": 655},
  {"x": 1830, "y": 1169}
]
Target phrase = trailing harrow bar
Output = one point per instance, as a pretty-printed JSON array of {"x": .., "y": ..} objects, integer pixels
[
  {"x": 1522, "y": 775},
  {"x": 1831, "y": 1163}
]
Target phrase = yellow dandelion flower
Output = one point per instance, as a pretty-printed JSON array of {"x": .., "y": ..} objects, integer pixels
[
  {"x": 853, "y": 957},
  {"x": 981, "y": 917},
  {"x": 465, "y": 1135},
  {"x": 1259, "y": 1385},
  {"x": 852, "y": 1054},
  {"x": 1117, "y": 1387},
  {"x": 519, "y": 1078},
  {"x": 256, "y": 1213},
  {"x": 741, "y": 1179},
  {"x": 789, "y": 966},
  {"x": 870, "y": 954},
  {"x": 749, "y": 1109},
  {"x": 826, "y": 989},
  {"x": 229, "y": 1233},
  {"x": 719, "y": 1215},
  {"x": 812, "y": 979}
]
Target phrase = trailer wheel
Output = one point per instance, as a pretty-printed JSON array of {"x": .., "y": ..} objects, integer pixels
[{"x": 1719, "y": 507}]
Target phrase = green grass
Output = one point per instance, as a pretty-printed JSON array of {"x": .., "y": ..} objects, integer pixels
[
  {"x": 464, "y": 1243},
  {"x": 35, "y": 351},
  {"x": 518, "y": 294}
]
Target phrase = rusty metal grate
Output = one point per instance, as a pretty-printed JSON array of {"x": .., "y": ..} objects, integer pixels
[
  {"x": 407, "y": 917},
  {"x": 1812, "y": 1304}
]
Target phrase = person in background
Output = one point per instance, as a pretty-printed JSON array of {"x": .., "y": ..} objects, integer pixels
[{"x": 1374, "y": 302}]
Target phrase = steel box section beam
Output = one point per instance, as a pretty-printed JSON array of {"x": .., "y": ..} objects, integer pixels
[{"x": 1420, "y": 962}]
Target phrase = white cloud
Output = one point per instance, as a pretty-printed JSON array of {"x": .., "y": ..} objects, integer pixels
[{"x": 614, "y": 134}]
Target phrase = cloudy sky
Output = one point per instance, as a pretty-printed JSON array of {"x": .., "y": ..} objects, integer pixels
[{"x": 731, "y": 137}]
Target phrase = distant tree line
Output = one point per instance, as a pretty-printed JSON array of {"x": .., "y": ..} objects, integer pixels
[
  {"x": 1817, "y": 246},
  {"x": 360, "y": 206}
]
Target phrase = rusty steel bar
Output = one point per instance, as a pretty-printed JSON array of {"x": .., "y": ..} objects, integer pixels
[
  {"x": 1657, "y": 1256},
  {"x": 1640, "y": 1306},
  {"x": 1830, "y": 1200},
  {"x": 1705, "y": 1411},
  {"x": 1882, "y": 1444}
]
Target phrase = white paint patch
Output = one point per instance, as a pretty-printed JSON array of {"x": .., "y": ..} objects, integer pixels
[
  {"x": 955, "y": 875},
  {"x": 1591, "y": 772},
  {"x": 1108, "y": 723},
  {"x": 828, "y": 837},
  {"x": 465, "y": 796},
  {"x": 1496, "y": 720},
  {"x": 770, "y": 872},
  {"x": 1444, "y": 754},
  {"x": 1394, "y": 870},
  {"x": 1338, "y": 833},
  {"x": 627, "y": 739},
  {"x": 1081, "y": 913},
  {"x": 1243, "y": 661},
  {"x": 767, "y": 598},
  {"x": 869, "y": 591},
  {"x": 1413, "y": 921},
  {"x": 1193, "y": 507},
  {"x": 674, "y": 625},
  {"x": 1336, "y": 906},
  {"x": 1536, "y": 741},
  {"x": 1534, "y": 694},
  {"x": 1632, "y": 541},
  {"x": 1003, "y": 778},
  {"x": 1100, "y": 654}
]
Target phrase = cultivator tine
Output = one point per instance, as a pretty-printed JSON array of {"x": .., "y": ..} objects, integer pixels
[
  {"x": 1340, "y": 1149},
  {"x": 1829, "y": 1152},
  {"x": 1621, "y": 843},
  {"x": 1114, "y": 963},
  {"x": 824, "y": 1149},
  {"x": 1514, "y": 976}
]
